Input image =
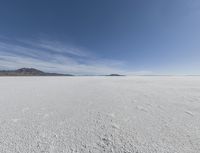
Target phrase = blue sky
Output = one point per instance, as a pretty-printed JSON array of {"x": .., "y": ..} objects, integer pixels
[{"x": 101, "y": 36}]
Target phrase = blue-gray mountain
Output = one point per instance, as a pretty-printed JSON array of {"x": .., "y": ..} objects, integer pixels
[{"x": 29, "y": 72}]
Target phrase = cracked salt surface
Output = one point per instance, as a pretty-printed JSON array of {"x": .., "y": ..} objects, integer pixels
[{"x": 100, "y": 114}]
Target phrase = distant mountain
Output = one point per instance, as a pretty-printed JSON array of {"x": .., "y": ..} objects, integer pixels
[
  {"x": 29, "y": 72},
  {"x": 115, "y": 75}
]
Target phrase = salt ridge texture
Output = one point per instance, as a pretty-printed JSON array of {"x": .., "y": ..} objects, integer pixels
[{"x": 100, "y": 114}]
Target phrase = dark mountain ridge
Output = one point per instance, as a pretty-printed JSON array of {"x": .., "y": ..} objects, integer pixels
[
  {"x": 29, "y": 72},
  {"x": 115, "y": 75}
]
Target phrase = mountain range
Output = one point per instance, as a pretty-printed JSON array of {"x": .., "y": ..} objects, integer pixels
[
  {"x": 29, "y": 72},
  {"x": 36, "y": 72}
]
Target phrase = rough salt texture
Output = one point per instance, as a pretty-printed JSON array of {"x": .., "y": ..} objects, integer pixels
[{"x": 100, "y": 114}]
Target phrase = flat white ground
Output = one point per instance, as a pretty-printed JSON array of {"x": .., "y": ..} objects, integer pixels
[{"x": 100, "y": 114}]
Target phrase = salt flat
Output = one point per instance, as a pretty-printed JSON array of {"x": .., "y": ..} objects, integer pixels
[{"x": 141, "y": 114}]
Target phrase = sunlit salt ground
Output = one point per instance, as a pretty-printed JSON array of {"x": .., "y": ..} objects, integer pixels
[{"x": 100, "y": 114}]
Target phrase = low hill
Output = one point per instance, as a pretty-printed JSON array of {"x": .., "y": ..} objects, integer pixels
[
  {"x": 115, "y": 75},
  {"x": 29, "y": 72}
]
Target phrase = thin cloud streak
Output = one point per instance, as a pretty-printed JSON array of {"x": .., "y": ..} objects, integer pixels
[
  {"x": 11, "y": 62},
  {"x": 13, "y": 56},
  {"x": 55, "y": 47}
]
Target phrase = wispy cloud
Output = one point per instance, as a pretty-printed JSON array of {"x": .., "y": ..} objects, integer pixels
[
  {"x": 55, "y": 46},
  {"x": 54, "y": 56}
]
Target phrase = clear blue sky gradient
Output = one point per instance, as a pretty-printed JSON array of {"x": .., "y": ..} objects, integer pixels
[{"x": 101, "y": 36}]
